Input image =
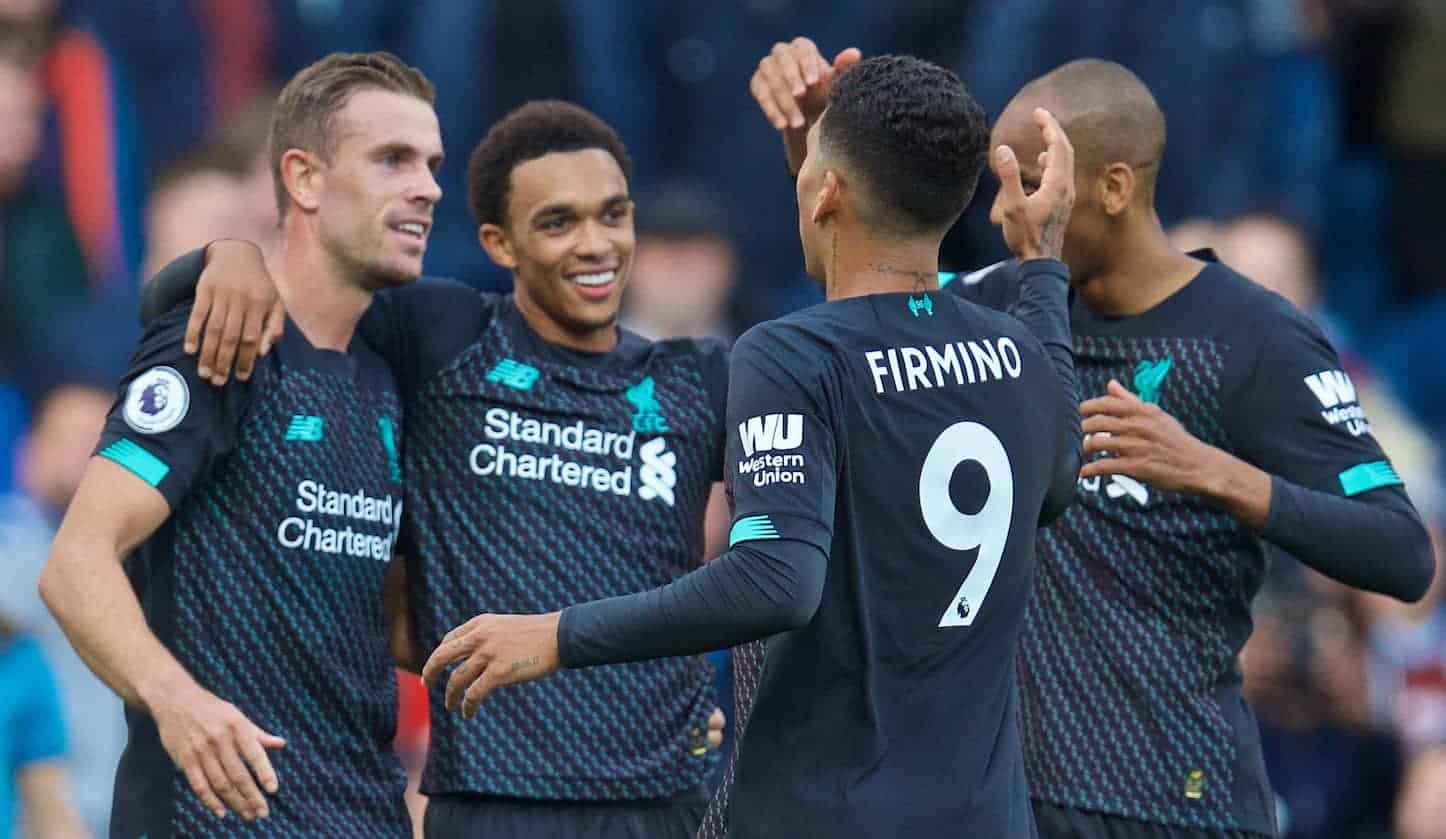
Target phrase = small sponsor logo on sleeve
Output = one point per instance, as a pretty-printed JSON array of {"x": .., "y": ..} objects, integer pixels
[{"x": 1340, "y": 406}]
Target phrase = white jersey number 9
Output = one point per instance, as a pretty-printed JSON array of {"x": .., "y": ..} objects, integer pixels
[{"x": 987, "y": 530}]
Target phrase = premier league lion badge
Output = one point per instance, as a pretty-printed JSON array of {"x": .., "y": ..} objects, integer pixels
[{"x": 157, "y": 401}]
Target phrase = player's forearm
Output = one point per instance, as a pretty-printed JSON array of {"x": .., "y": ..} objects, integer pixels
[
  {"x": 752, "y": 591},
  {"x": 86, "y": 589},
  {"x": 1373, "y": 541},
  {"x": 1240, "y": 489},
  {"x": 1043, "y": 307}
]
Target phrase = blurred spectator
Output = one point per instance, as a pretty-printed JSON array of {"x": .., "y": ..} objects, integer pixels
[
  {"x": 41, "y": 268},
  {"x": 1408, "y": 660},
  {"x": 53, "y": 457},
  {"x": 246, "y": 134},
  {"x": 684, "y": 267},
  {"x": 1414, "y": 123},
  {"x": 32, "y": 744},
  {"x": 1334, "y": 776},
  {"x": 1421, "y": 810},
  {"x": 197, "y": 198}
]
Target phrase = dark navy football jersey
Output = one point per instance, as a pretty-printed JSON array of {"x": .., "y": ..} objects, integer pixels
[
  {"x": 1130, "y": 688},
  {"x": 538, "y": 477},
  {"x": 266, "y": 581},
  {"x": 912, "y": 438}
]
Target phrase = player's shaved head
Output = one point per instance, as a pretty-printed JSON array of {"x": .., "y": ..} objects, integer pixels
[{"x": 1108, "y": 113}]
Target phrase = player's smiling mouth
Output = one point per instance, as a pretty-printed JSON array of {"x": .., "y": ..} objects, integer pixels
[{"x": 593, "y": 285}]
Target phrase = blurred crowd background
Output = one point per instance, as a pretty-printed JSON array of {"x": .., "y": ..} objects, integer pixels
[{"x": 1307, "y": 146}]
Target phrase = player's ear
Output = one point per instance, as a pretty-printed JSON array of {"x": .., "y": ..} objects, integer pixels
[
  {"x": 830, "y": 197},
  {"x": 301, "y": 174},
  {"x": 499, "y": 248},
  {"x": 1117, "y": 187}
]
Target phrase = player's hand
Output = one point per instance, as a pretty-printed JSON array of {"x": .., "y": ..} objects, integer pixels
[
  {"x": 493, "y": 650},
  {"x": 791, "y": 85},
  {"x": 717, "y": 721},
  {"x": 237, "y": 315},
  {"x": 222, "y": 753},
  {"x": 1143, "y": 442},
  {"x": 1034, "y": 224}
]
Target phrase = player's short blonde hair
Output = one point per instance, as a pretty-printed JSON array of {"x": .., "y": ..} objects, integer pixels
[{"x": 305, "y": 112}]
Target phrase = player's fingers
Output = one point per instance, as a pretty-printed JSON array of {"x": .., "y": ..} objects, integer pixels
[
  {"x": 1112, "y": 405},
  {"x": 1011, "y": 189},
  {"x": 1100, "y": 468},
  {"x": 460, "y": 632},
  {"x": 218, "y": 309},
  {"x": 1102, "y": 423},
  {"x": 462, "y": 678},
  {"x": 196, "y": 779},
  {"x": 486, "y": 682},
  {"x": 199, "y": 310},
  {"x": 1059, "y": 169},
  {"x": 445, "y": 654},
  {"x": 243, "y": 784},
  {"x": 250, "y": 346},
  {"x": 221, "y": 783},
  {"x": 781, "y": 91},
  {"x": 230, "y": 340},
  {"x": 275, "y": 327},
  {"x": 847, "y": 59},
  {"x": 789, "y": 69},
  {"x": 1114, "y": 388},
  {"x": 805, "y": 52},
  {"x": 253, "y": 751},
  {"x": 763, "y": 95}
]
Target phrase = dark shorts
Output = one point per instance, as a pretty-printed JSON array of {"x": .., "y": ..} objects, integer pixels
[
  {"x": 1055, "y": 822},
  {"x": 490, "y": 817}
]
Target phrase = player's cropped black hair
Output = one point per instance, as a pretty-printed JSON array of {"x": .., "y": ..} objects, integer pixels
[
  {"x": 911, "y": 131},
  {"x": 529, "y": 132}
]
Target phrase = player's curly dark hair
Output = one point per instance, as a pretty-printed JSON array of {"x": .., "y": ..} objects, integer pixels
[
  {"x": 536, "y": 129},
  {"x": 912, "y": 133}
]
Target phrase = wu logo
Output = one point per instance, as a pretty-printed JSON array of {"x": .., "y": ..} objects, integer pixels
[
  {"x": 771, "y": 432},
  {"x": 513, "y": 374},
  {"x": 657, "y": 474},
  {"x": 917, "y": 305},
  {"x": 305, "y": 428},
  {"x": 648, "y": 418},
  {"x": 389, "y": 440},
  {"x": 1331, "y": 388},
  {"x": 1149, "y": 376}
]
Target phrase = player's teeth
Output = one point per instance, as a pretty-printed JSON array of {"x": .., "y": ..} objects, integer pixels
[
  {"x": 593, "y": 279},
  {"x": 412, "y": 228}
]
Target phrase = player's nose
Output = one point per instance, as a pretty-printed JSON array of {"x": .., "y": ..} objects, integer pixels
[{"x": 593, "y": 240}]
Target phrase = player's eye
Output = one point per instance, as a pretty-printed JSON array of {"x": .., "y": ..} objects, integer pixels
[
  {"x": 617, "y": 214},
  {"x": 554, "y": 225}
]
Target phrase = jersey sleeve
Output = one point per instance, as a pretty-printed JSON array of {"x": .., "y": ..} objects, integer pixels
[
  {"x": 168, "y": 427},
  {"x": 1297, "y": 414},
  {"x": 781, "y": 450},
  {"x": 40, "y": 725}
]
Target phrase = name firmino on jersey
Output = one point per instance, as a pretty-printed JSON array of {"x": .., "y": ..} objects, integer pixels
[{"x": 962, "y": 362}]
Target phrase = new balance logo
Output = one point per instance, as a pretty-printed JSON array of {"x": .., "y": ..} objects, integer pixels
[
  {"x": 1332, "y": 388},
  {"x": 306, "y": 429},
  {"x": 513, "y": 374},
  {"x": 771, "y": 432}
]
